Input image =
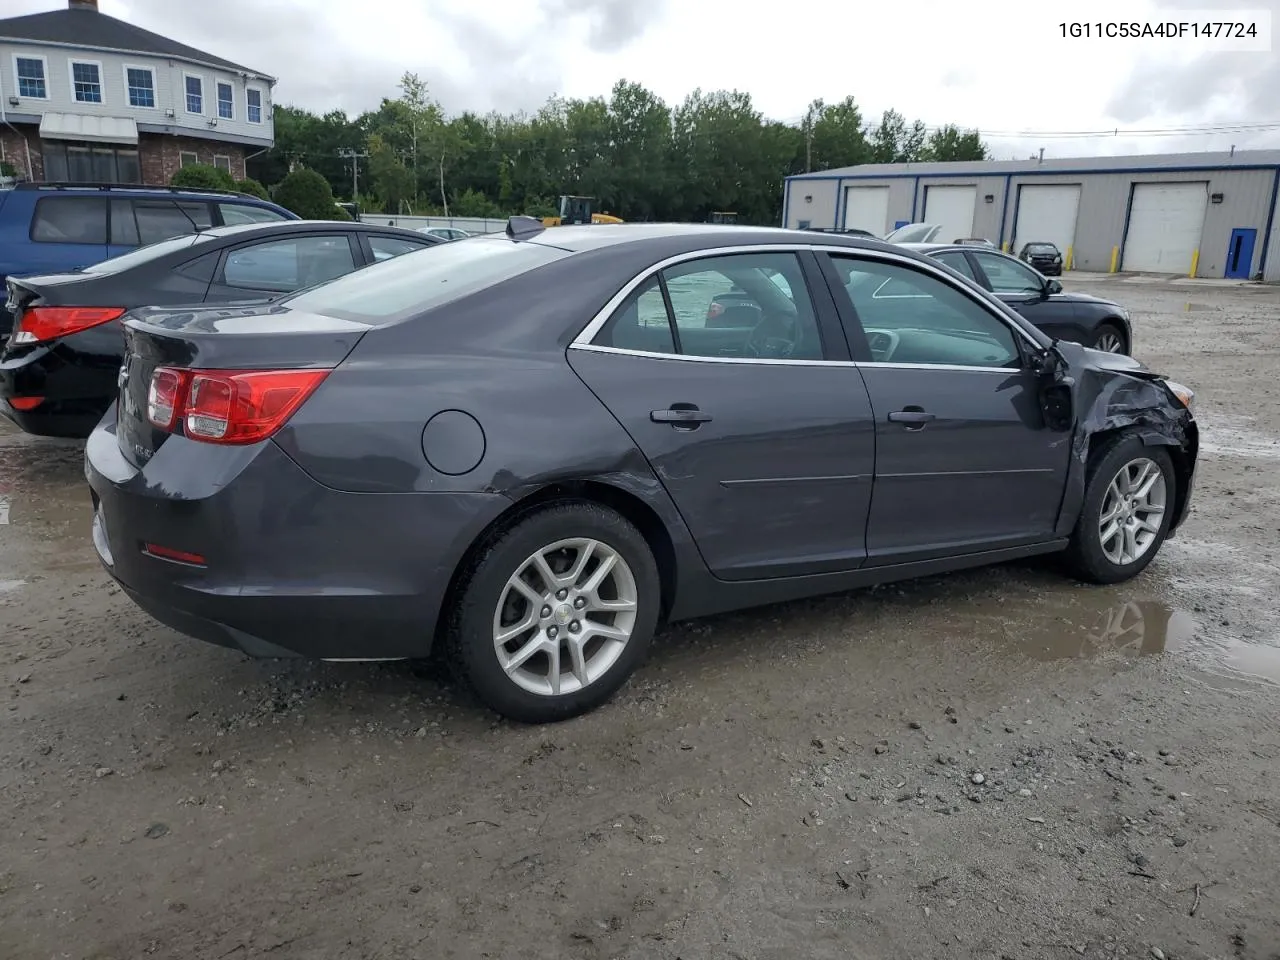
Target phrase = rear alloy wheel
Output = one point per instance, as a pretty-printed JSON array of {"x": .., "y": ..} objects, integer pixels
[
  {"x": 1126, "y": 513},
  {"x": 557, "y": 614},
  {"x": 1108, "y": 339}
]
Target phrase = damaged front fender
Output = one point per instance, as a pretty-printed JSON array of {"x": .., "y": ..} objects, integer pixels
[{"x": 1110, "y": 393}]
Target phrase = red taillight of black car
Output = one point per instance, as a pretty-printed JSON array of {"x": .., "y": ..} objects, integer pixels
[
  {"x": 228, "y": 406},
  {"x": 42, "y": 324}
]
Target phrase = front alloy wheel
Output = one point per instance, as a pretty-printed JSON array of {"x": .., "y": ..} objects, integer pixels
[
  {"x": 1132, "y": 512},
  {"x": 1127, "y": 507}
]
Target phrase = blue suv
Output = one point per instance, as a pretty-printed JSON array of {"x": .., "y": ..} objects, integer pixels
[{"x": 61, "y": 227}]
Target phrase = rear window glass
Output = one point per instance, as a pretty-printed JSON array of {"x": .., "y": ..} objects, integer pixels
[
  {"x": 394, "y": 289},
  {"x": 70, "y": 220},
  {"x": 144, "y": 254}
]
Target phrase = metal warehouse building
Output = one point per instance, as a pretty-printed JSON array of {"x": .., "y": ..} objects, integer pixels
[{"x": 1196, "y": 214}]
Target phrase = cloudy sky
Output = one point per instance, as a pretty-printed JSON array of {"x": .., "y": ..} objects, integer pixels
[{"x": 1001, "y": 65}]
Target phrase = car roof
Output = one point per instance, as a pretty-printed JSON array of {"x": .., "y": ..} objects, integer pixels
[
  {"x": 306, "y": 226},
  {"x": 692, "y": 236}
]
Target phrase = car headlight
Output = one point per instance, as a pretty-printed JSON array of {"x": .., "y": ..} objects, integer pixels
[{"x": 1186, "y": 396}]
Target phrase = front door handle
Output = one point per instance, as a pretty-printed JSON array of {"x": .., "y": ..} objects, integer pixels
[
  {"x": 914, "y": 417},
  {"x": 682, "y": 416}
]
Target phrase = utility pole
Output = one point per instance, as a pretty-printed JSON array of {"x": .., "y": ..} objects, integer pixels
[{"x": 355, "y": 158}]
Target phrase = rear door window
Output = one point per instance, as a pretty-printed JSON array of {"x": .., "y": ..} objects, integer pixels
[
  {"x": 956, "y": 260},
  {"x": 161, "y": 219},
  {"x": 384, "y": 248},
  {"x": 285, "y": 265},
  {"x": 70, "y": 220}
]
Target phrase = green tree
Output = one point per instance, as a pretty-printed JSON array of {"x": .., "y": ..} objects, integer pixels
[
  {"x": 950, "y": 143},
  {"x": 253, "y": 188},
  {"x": 392, "y": 181},
  {"x": 309, "y": 195},
  {"x": 834, "y": 135},
  {"x": 202, "y": 176}
]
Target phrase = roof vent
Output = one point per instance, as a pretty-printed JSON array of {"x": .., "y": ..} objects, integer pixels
[{"x": 83, "y": 5}]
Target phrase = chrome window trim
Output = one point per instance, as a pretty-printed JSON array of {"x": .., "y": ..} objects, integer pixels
[
  {"x": 778, "y": 362},
  {"x": 938, "y": 271}
]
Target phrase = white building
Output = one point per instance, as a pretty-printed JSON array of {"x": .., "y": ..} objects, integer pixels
[{"x": 88, "y": 98}]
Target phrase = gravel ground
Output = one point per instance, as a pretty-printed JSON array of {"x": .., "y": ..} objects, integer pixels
[{"x": 995, "y": 764}]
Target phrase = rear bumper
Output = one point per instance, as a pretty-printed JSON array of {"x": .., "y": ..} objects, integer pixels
[
  {"x": 73, "y": 397},
  {"x": 292, "y": 568}
]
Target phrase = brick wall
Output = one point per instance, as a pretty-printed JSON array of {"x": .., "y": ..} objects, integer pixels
[
  {"x": 160, "y": 155},
  {"x": 15, "y": 150}
]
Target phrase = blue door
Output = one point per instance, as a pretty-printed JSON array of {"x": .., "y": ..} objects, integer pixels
[{"x": 1240, "y": 253}]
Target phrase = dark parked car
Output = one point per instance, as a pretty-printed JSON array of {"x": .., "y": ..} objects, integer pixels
[
  {"x": 366, "y": 468},
  {"x": 58, "y": 370},
  {"x": 1045, "y": 257},
  {"x": 58, "y": 227},
  {"x": 1078, "y": 317}
]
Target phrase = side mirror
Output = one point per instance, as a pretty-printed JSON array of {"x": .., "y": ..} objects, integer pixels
[{"x": 1053, "y": 286}]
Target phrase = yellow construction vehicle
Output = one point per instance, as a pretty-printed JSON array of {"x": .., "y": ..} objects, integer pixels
[{"x": 578, "y": 210}]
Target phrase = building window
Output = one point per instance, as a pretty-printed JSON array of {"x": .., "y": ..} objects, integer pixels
[
  {"x": 140, "y": 82},
  {"x": 221, "y": 162},
  {"x": 226, "y": 106},
  {"x": 72, "y": 162},
  {"x": 30, "y": 75},
  {"x": 195, "y": 93},
  {"x": 86, "y": 81},
  {"x": 254, "y": 100},
  {"x": 187, "y": 157}
]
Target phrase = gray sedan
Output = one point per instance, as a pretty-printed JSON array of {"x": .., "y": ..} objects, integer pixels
[{"x": 531, "y": 449}]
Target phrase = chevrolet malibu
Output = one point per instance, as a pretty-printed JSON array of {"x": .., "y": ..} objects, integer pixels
[{"x": 529, "y": 450}]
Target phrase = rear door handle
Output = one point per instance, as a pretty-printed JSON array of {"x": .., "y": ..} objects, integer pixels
[
  {"x": 915, "y": 417},
  {"x": 688, "y": 417}
]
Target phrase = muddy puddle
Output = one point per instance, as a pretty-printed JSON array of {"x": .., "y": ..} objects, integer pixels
[{"x": 1106, "y": 626}]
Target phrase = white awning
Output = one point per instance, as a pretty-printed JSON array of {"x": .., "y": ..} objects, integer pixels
[{"x": 79, "y": 126}]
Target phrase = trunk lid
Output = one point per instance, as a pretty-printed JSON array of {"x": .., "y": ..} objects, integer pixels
[{"x": 261, "y": 337}]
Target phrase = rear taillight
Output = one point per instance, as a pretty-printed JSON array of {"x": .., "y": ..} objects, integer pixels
[
  {"x": 38, "y": 324},
  {"x": 228, "y": 406}
]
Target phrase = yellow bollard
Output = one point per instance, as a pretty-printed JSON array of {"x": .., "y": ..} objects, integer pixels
[
  {"x": 1115, "y": 258},
  {"x": 1005, "y": 246},
  {"x": 1070, "y": 259},
  {"x": 1195, "y": 261}
]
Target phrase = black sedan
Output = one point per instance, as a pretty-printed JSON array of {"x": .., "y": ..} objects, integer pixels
[
  {"x": 1045, "y": 257},
  {"x": 1078, "y": 317},
  {"x": 58, "y": 369},
  {"x": 530, "y": 450}
]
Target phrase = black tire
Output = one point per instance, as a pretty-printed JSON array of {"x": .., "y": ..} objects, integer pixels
[
  {"x": 470, "y": 645},
  {"x": 1105, "y": 330},
  {"x": 1085, "y": 558}
]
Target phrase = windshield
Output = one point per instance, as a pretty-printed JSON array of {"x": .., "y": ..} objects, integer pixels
[
  {"x": 385, "y": 292},
  {"x": 1041, "y": 248},
  {"x": 912, "y": 233},
  {"x": 146, "y": 254}
]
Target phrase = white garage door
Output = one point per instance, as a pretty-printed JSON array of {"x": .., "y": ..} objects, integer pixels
[
  {"x": 1165, "y": 224},
  {"x": 867, "y": 208},
  {"x": 953, "y": 208},
  {"x": 1047, "y": 214}
]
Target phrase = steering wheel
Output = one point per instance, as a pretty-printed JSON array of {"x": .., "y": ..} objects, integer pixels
[{"x": 769, "y": 340}]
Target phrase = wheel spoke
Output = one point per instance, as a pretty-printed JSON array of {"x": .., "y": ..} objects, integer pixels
[
  {"x": 1130, "y": 551},
  {"x": 584, "y": 557},
  {"x": 1110, "y": 515},
  {"x": 522, "y": 587},
  {"x": 597, "y": 576},
  {"x": 553, "y": 670},
  {"x": 608, "y": 631},
  {"x": 598, "y": 605},
  {"x": 549, "y": 576},
  {"x": 507, "y": 634},
  {"x": 1109, "y": 532},
  {"x": 577, "y": 659},
  {"x": 518, "y": 659}
]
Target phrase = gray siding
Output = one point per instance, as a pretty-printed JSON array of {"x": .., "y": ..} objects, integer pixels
[
  {"x": 169, "y": 92},
  {"x": 1104, "y": 199}
]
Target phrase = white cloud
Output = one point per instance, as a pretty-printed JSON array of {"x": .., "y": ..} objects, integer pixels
[{"x": 1002, "y": 66}]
